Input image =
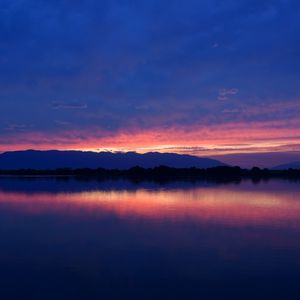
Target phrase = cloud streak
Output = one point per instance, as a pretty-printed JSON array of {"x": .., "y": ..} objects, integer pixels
[
  {"x": 224, "y": 94},
  {"x": 233, "y": 137},
  {"x": 68, "y": 105}
]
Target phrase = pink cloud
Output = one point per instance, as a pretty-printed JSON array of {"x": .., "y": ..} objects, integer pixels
[{"x": 255, "y": 136}]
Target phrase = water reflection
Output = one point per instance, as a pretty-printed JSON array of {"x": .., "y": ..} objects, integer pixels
[
  {"x": 118, "y": 240},
  {"x": 227, "y": 204}
]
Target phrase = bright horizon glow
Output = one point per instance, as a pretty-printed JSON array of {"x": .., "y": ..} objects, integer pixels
[{"x": 209, "y": 140}]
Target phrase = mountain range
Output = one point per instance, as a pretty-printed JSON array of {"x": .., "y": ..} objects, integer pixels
[
  {"x": 54, "y": 159},
  {"x": 293, "y": 165}
]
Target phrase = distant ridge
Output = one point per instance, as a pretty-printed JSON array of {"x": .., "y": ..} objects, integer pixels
[
  {"x": 53, "y": 159},
  {"x": 293, "y": 165}
]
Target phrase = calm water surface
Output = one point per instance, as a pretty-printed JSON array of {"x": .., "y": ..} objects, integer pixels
[{"x": 68, "y": 239}]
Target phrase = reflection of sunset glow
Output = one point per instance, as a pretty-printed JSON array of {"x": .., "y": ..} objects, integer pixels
[{"x": 216, "y": 205}]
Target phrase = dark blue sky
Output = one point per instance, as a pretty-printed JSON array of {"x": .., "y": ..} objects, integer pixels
[{"x": 191, "y": 76}]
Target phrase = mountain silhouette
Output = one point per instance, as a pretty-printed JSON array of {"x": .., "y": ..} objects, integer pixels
[
  {"x": 53, "y": 159},
  {"x": 293, "y": 165}
]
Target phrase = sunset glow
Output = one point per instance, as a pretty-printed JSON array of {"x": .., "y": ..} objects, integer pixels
[
  {"x": 199, "y": 140},
  {"x": 203, "y": 79},
  {"x": 149, "y": 149}
]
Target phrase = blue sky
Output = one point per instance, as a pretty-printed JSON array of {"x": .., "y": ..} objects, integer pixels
[{"x": 150, "y": 75}]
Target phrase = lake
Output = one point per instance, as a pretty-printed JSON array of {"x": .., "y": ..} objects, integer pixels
[{"x": 63, "y": 238}]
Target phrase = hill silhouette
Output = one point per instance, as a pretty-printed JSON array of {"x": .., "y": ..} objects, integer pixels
[
  {"x": 54, "y": 159},
  {"x": 293, "y": 165}
]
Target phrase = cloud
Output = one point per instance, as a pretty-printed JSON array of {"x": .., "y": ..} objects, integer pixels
[
  {"x": 225, "y": 93},
  {"x": 68, "y": 105},
  {"x": 17, "y": 127},
  {"x": 231, "y": 137},
  {"x": 231, "y": 111},
  {"x": 62, "y": 123}
]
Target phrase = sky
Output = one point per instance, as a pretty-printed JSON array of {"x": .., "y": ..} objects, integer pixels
[{"x": 208, "y": 78}]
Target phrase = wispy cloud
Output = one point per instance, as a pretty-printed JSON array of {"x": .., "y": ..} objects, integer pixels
[
  {"x": 68, "y": 105},
  {"x": 225, "y": 93},
  {"x": 16, "y": 127},
  {"x": 232, "y": 137},
  {"x": 62, "y": 123},
  {"x": 230, "y": 111}
]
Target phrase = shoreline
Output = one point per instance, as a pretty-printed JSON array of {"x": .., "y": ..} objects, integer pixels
[{"x": 219, "y": 174}]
